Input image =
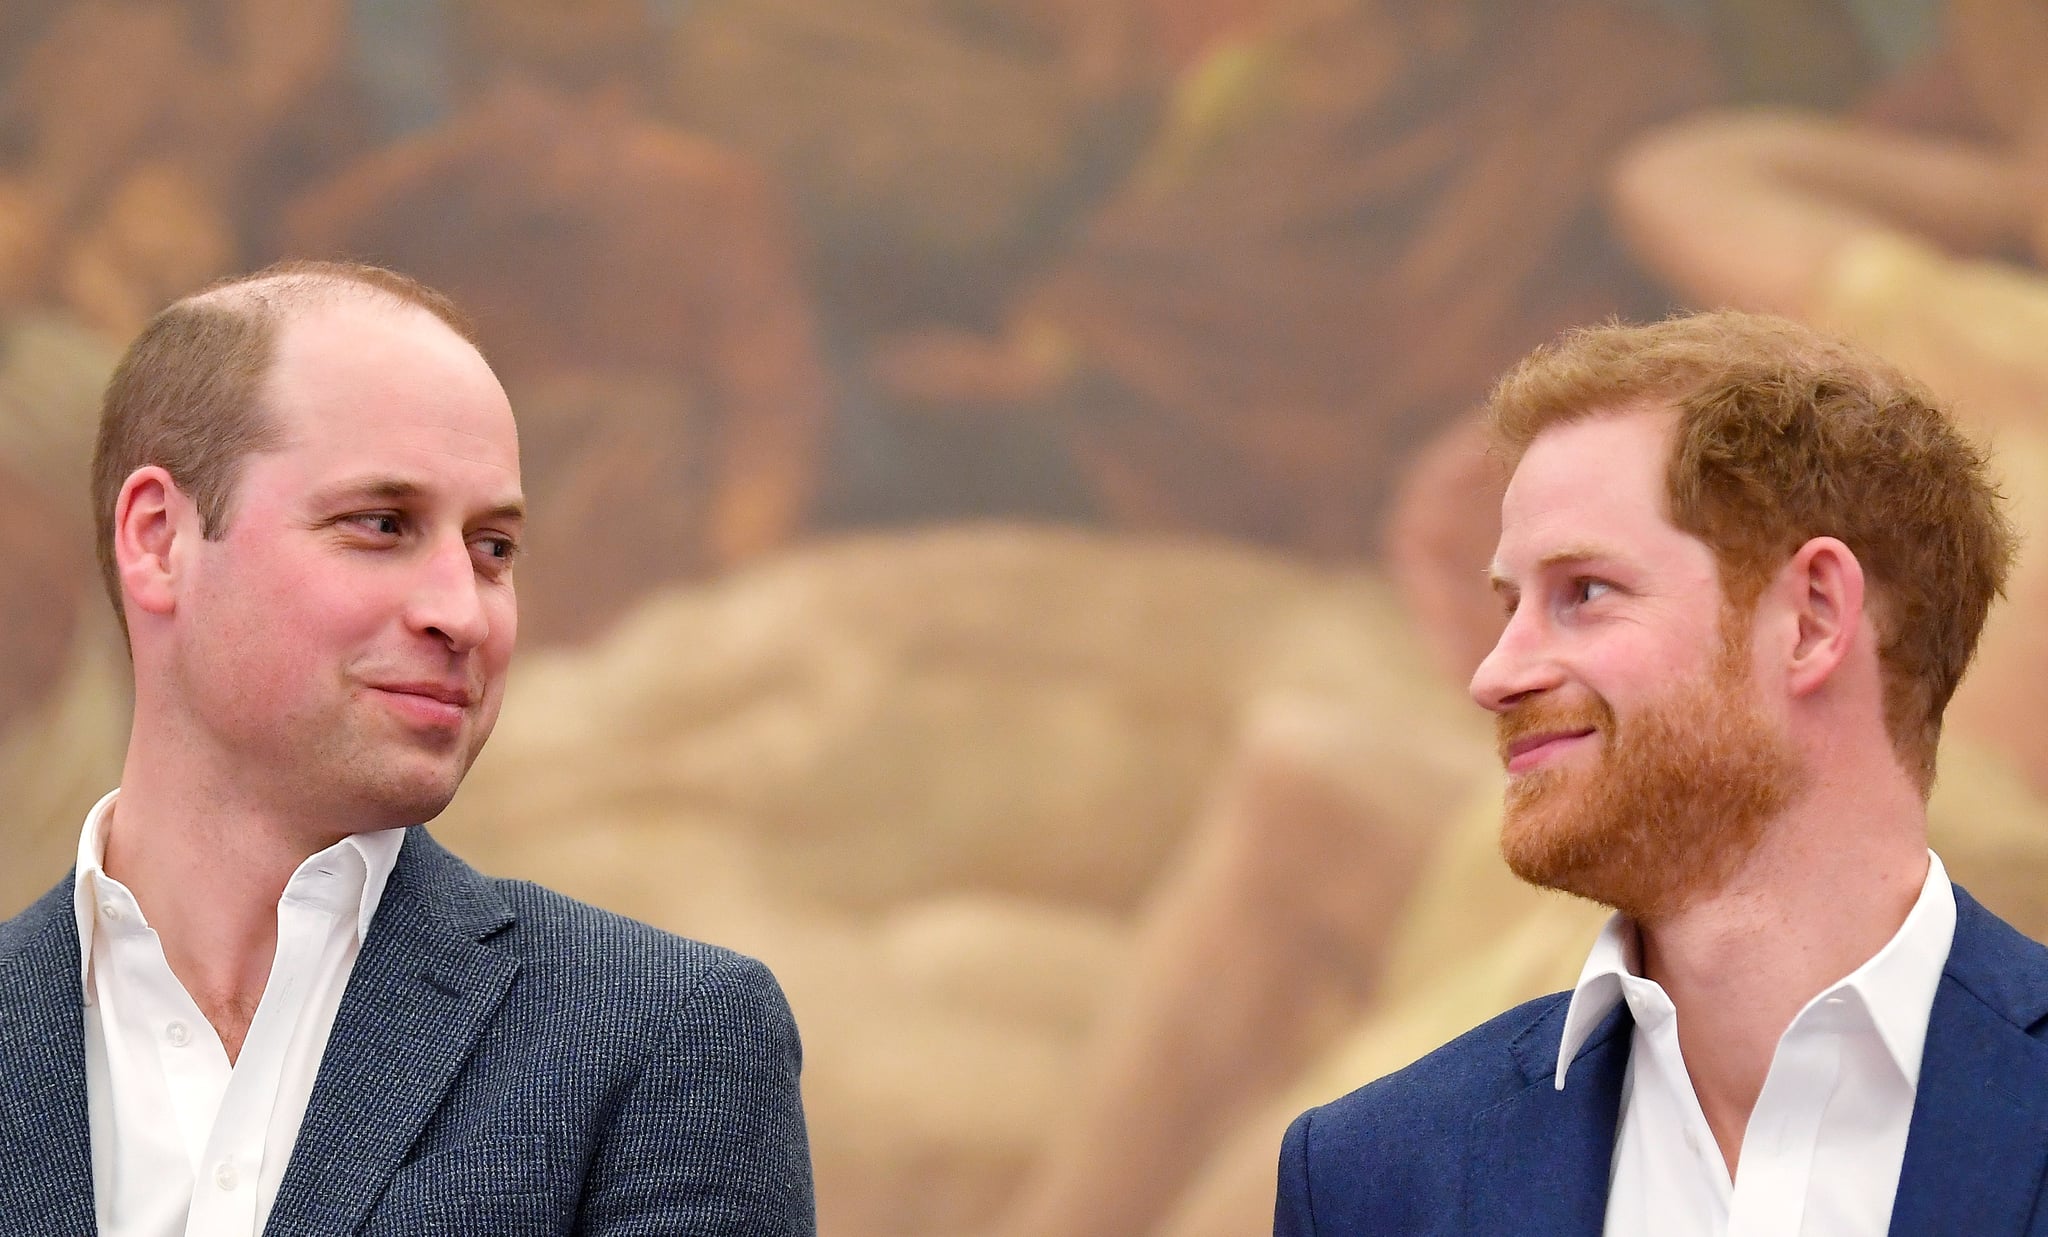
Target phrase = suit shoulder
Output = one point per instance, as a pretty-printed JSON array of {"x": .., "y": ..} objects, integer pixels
[
  {"x": 1998, "y": 965},
  {"x": 623, "y": 959},
  {"x": 1392, "y": 1155},
  {"x": 50, "y": 910},
  {"x": 548, "y": 922},
  {"x": 1451, "y": 1084}
]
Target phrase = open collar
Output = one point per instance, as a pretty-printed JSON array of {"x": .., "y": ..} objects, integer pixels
[
  {"x": 1895, "y": 987},
  {"x": 425, "y": 987},
  {"x": 365, "y": 861}
]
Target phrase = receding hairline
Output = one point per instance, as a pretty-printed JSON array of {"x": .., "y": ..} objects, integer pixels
[
  {"x": 284, "y": 294},
  {"x": 189, "y": 389}
]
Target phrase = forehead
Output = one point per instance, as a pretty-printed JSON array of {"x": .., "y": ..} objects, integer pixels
[
  {"x": 363, "y": 384},
  {"x": 1595, "y": 485}
]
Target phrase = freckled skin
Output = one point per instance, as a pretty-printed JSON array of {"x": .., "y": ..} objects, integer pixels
[{"x": 369, "y": 551}]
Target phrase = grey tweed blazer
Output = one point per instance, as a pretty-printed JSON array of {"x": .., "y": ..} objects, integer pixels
[{"x": 505, "y": 1061}]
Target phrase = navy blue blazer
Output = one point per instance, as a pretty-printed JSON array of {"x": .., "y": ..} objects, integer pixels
[
  {"x": 505, "y": 1061},
  {"x": 1476, "y": 1139}
]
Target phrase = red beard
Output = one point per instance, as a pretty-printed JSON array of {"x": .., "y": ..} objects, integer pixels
[{"x": 1676, "y": 801}]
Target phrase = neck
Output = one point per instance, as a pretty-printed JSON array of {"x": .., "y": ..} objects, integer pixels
[
  {"x": 207, "y": 869},
  {"x": 1824, "y": 892}
]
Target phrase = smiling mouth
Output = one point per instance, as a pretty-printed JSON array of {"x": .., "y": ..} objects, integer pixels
[
  {"x": 428, "y": 705},
  {"x": 1526, "y": 753},
  {"x": 447, "y": 693}
]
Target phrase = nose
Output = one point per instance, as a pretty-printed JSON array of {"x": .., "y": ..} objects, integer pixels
[
  {"x": 1519, "y": 664},
  {"x": 446, "y": 600}
]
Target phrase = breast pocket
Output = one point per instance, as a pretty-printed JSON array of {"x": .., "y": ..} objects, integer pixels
[{"x": 498, "y": 1187}]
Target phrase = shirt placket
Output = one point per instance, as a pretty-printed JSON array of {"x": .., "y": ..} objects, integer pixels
[
  {"x": 161, "y": 1026},
  {"x": 1663, "y": 1099},
  {"x": 1778, "y": 1147},
  {"x": 153, "y": 1080},
  {"x": 227, "y": 1197}
]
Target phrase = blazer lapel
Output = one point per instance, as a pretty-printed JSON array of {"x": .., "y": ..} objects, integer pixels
[
  {"x": 1542, "y": 1159},
  {"x": 45, "y": 1134},
  {"x": 423, "y": 989},
  {"x": 1977, "y": 1148}
]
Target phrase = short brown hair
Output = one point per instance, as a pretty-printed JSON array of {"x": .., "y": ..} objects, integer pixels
[
  {"x": 1785, "y": 434},
  {"x": 185, "y": 395}
]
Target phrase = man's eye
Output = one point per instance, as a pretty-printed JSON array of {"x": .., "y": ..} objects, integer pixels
[
  {"x": 1590, "y": 590},
  {"x": 503, "y": 549},
  {"x": 383, "y": 523}
]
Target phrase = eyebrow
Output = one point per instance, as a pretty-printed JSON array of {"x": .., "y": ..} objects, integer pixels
[
  {"x": 398, "y": 489},
  {"x": 1564, "y": 557}
]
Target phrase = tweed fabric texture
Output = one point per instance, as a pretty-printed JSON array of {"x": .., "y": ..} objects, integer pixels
[
  {"x": 505, "y": 1061},
  {"x": 45, "y": 1152},
  {"x": 1476, "y": 1139}
]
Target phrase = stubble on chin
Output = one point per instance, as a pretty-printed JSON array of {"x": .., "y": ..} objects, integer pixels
[
  {"x": 1676, "y": 799},
  {"x": 402, "y": 778}
]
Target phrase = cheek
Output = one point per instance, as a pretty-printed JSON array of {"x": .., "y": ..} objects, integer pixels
[
  {"x": 339, "y": 615},
  {"x": 277, "y": 616},
  {"x": 1653, "y": 666},
  {"x": 504, "y": 628},
  {"x": 1629, "y": 671},
  {"x": 254, "y": 659},
  {"x": 254, "y": 608}
]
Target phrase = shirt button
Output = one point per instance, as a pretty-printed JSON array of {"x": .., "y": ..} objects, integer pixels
[
  {"x": 225, "y": 1176},
  {"x": 178, "y": 1034},
  {"x": 112, "y": 911}
]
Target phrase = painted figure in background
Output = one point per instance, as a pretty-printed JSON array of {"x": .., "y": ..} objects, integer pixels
[
  {"x": 1350, "y": 216},
  {"x": 936, "y": 778},
  {"x": 716, "y": 748},
  {"x": 1925, "y": 245},
  {"x": 668, "y": 369},
  {"x": 1744, "y": 568},
  {"x": 140, "y": 137},
  {"x": 1812, "y": 196},
  {"x": 263, "y": 998},
  {"x": 937, "y": 151}
]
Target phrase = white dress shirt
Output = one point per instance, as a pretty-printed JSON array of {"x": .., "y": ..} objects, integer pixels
[
  {"x": 1821, "y": 1154},
  {"x": 183, "y": 1144}
]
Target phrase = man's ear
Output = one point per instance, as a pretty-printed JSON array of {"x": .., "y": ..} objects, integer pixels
[
  {"x": 151, "y": 516},
  {"x": 1822, "y": 585}
]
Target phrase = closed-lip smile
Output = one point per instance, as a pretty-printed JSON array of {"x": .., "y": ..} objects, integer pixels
[
  {"x": 1529, "y": 749},
  {"x": 456, "y": 694}
]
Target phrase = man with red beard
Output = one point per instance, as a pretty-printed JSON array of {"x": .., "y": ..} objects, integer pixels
[{"x": 1744, "y": 568}]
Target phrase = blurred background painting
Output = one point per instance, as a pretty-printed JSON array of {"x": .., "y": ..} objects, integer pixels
[{"x": 1009, "y": 529}]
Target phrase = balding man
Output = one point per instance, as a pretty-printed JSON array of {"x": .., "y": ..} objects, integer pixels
[{"x": 266, "y": 1000}]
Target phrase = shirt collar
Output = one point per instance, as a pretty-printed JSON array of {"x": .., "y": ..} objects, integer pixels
[
  {"x": 92, "y": 847},
  {"x": 1895, "y": 987},
  {"x": 331, "y": 875},
  {"x": 1599, "y": 988}
]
